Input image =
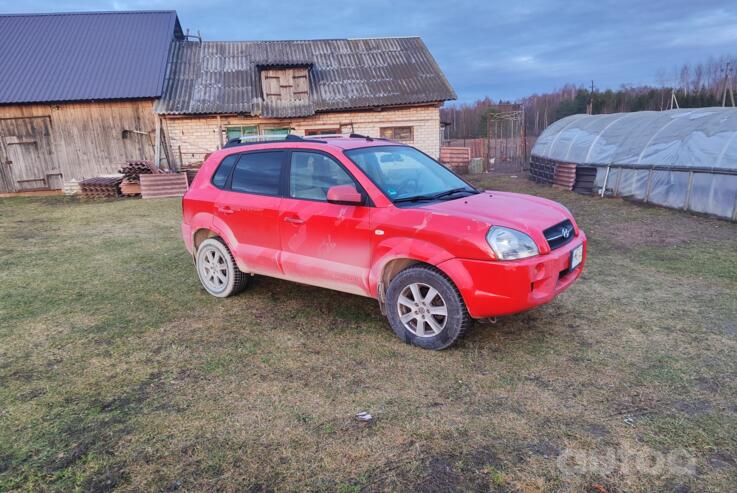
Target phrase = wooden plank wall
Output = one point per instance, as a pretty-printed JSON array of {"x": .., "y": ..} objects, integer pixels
[
  {"x": 479, "y": 147},
  {"x": 87, "y": 138},
  {"x": 456, "y": 158}
]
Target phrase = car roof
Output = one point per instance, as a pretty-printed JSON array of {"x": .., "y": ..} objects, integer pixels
[{"x": 342, "y": 141}]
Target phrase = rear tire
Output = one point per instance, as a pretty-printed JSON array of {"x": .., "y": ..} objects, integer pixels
[
  {"x": 425, "y": 309},
  {"x": 217, "y": 270}
]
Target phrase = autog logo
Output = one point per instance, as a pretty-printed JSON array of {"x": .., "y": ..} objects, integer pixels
[
  {"x": 565, "y": 232},
  {"x": 626, "y": 460}
]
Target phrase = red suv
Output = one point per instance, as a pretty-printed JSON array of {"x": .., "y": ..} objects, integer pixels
[{"x": 380, "y": 219}]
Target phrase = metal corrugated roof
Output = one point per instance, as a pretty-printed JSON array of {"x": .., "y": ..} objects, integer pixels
[
  {"x": 84, "y": 56},
  {"x": 217, "y": 77}
]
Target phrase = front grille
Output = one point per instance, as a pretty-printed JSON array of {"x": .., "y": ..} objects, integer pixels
[{"x": 559, "y": 235}]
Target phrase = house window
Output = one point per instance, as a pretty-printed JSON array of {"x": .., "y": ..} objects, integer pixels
[
  {"x": 402, "y": 134},
  {"x": 275, "y": 131},
  {"x": 236, "y": 132},
  {"x": 241, "y": 131},
  {"x": 285, "y": 84},
  {"x": 322, "y": 131}
]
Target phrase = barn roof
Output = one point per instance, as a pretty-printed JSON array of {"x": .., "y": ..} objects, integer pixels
[
  {"x": 218, "y": 77},
  {"x": 84, "y": 56}
]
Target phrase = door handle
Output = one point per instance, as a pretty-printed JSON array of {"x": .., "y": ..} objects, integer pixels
[
  {"x": 225, "y": 210},
  {"x": 294, "y": 220}
]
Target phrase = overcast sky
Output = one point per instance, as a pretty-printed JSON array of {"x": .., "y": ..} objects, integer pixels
[{"x": 504, "y": 50}]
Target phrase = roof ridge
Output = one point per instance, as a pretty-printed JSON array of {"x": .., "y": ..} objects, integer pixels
[
  {"x": 303, "y": 40},
  {"x": 88, "y": 12}
]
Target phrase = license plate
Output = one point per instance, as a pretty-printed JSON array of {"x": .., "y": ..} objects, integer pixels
[{"x": 576, "y": 256}]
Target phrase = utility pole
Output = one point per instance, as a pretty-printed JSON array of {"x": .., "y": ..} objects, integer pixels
[
  {"x": 590, "y": 106},
  {"x": 727, "y": 85},
  {"x": 673, "y": 100}
]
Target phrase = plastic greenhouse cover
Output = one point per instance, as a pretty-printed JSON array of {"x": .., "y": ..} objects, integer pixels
[{"x": 700, "y": 137}]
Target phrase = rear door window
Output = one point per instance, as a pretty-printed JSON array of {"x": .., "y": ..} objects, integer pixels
[{"x": 258, "y": 173}]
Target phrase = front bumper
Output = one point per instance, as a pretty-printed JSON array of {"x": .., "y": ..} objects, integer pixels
[{"x": 493, "y": 288}]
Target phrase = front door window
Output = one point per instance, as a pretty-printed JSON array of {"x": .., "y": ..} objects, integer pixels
[{"x": 312, "y": 174}]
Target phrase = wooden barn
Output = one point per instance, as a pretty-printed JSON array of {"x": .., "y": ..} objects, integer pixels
[{"x": 77, "y": 92}]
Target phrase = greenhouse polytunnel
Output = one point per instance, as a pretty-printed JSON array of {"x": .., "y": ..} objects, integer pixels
[{"x": 684, "y": 158}]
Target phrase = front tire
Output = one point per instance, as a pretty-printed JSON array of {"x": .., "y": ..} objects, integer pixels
[
  {"x": 217, "y": 269},
  {"x": 425, "y": 308}
]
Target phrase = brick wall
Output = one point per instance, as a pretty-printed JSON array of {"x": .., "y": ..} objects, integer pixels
[{"x": 191, "y": 137}]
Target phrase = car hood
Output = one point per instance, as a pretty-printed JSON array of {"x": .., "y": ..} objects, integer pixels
[{"x": 526, "y": 213}]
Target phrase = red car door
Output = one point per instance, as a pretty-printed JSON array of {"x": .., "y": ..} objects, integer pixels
[
  {"x": 249, "y": 206},
  {"x": 322, "y": 243}
]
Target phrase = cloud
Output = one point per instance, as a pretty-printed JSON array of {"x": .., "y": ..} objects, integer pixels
[{"x": 505, "y": 50}]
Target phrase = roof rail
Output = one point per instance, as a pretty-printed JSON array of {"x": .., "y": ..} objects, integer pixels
[
  {"x": 344, "y": 136},
  {"x": 267, "y": 139},
  {"x": 326, "y": 136}
]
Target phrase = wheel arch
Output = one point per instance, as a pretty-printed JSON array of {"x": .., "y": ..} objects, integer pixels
[
  {"x": 217, "y": 229},
  {"x": 201, "y": 235},
  {"x": 397, "y": 254}
]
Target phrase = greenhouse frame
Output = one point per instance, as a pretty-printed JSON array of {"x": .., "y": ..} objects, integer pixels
[{"x": 683, "y": 158}]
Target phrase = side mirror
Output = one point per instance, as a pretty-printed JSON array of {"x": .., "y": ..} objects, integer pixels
[{"x": 345, "y": 195}]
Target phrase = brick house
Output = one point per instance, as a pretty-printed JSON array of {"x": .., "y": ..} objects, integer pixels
[{"x": 215, "y": 91}]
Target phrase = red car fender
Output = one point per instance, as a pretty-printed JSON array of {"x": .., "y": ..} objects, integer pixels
[
  {"x": 403, "y": 248},
  {"x": 221, "y": 229},
  {"x": 197, "y": 222}
]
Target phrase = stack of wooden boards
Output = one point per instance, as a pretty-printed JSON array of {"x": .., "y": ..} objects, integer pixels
[
  {"x": 132, "y": 171},
  {"x": 102, "y": 187},
  {"x": 190, "y": 170},
  {"x": 456, "y": 158}
]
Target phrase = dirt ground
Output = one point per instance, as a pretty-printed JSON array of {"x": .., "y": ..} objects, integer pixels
[{"x": 118, "y": 372}]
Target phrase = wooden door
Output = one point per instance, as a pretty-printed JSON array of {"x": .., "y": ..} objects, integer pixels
[{"x": 26, "y": 154}]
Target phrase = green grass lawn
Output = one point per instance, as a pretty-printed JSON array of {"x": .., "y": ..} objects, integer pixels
[{"x": 118, "y": 372}]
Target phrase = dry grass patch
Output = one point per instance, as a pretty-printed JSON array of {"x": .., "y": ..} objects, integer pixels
[{"x": 117, "y": 372}]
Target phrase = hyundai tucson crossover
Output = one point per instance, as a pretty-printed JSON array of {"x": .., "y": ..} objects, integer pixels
[{"x": 380, "y": 219}]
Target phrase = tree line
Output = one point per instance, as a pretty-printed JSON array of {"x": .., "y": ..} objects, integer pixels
[{"x": 694, "y": 86}]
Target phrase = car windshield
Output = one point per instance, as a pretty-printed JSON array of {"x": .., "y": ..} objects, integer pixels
[{"x": 405, "y": 174}]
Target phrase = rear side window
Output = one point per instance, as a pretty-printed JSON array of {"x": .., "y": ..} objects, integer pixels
[
  {"x": 223, "y": 172},
  {"x": 258, "y": 172}
]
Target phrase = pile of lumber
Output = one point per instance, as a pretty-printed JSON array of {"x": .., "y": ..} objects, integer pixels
[
  {"x": 130, "y": 188},
  {"x": 456, "y": 158},
  {"x": 190, "y": 170},
  {"x": 101, "y": 187},
  {"x": 132, "y": 171}
]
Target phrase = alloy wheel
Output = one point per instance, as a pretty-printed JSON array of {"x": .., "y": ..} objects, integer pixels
[{"x": 422, "y": 310}]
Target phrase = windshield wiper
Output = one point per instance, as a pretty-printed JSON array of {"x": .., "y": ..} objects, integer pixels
[
  {"x": 452, "y": 191},
  {"x": 415, "y": 198},
  {"x": 435, "y": 196}
]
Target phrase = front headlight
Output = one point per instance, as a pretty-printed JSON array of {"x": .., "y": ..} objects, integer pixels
[{"x": 510, "y": 244}]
